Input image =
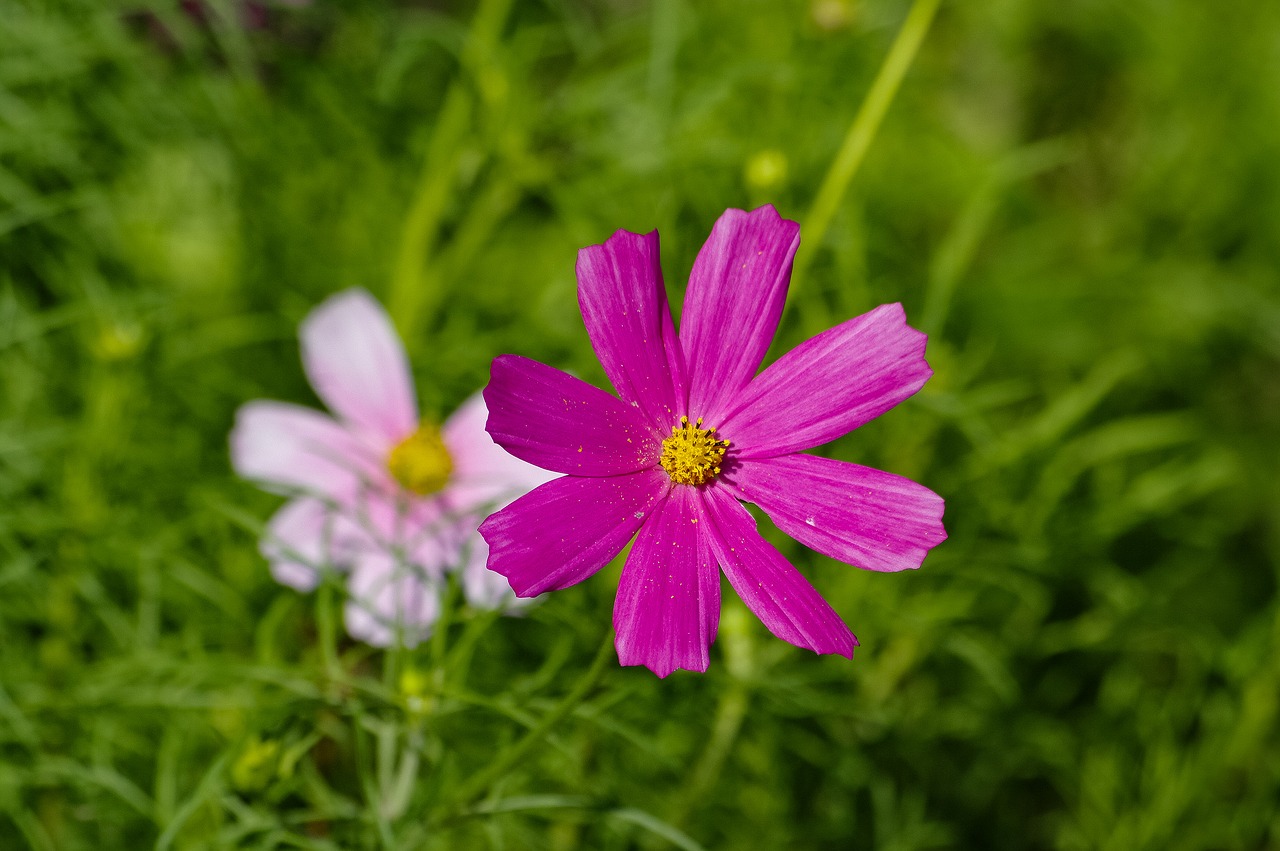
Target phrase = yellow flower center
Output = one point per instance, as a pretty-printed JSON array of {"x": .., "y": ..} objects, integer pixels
[
  {"x": 692, "y": 455},
  {"x": 421, "y": 462}
]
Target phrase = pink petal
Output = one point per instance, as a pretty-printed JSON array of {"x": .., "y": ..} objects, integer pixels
[
  {"x": 420, "y": 529},
  {"x": 829, "y": 385},
  {"x": 783, "y": 599},
  {"x": 389, "y": 602},
  {"x": 483, "y": 588},
  {"x": 549, "y": 418},
  {"x": 485, "y": 476},
  {"x": 294, "y": 542},
  {"x": 564, "y": 531},
  {"x": 357, "y": 365},
  {"x": 624, "y": 306},
  {"x": 731, "y": 309},
  {"x": 296, "y": 448},
  {"x": 668, "y": 604},
  {"x": 858, "y": 515}
]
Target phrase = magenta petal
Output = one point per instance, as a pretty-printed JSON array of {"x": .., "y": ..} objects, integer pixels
[
  {"x": 564, "y": 531},
  {"x": 856, "y": 514},
  {"x": 624, "y": 306},
  {"x": 357, "y": 365},
  {"x": 829, "y": 385},
  {"x": 298, "y": 449},
  {"x": 549, "y": 418},
  {"x": 783, "y": 599},
  {"x": 731, "y": 309},
  {"x": 668, "y": 604}
]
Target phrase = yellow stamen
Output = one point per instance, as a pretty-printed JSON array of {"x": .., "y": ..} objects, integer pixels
[
  {"x": 692, "y": 455},
  {"x": 421, "y": 462}
]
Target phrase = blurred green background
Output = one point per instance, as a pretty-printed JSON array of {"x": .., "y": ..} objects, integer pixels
[{"x": 1079, "y": 202}]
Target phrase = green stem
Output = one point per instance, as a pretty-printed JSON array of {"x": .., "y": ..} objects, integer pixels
[
  {"x": 413, "y": 293},
  {"x": 724, "y": 732},
  {"x": 480, "y": 783},
  {"x": 863, "y": 129}
]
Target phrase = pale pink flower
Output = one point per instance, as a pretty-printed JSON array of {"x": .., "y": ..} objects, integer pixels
[{"x": 377, "y": 493}]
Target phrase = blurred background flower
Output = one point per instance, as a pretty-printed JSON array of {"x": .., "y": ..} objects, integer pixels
[{"x": 391, "y": 499}]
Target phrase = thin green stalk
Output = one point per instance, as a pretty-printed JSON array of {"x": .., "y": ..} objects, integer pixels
[
  {"x": 481, "y": 783},
  {"x": 863, "y": 130},
  {"x": 413, "y": 293},
  {"x": 730, "y": 713}
]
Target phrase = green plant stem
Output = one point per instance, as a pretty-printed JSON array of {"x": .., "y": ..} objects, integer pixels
[
  {"x": 413, "y": 294},
  {"x": 730, "y": 713},
  {"x": 863, "y": 130},
  {"x": 480, "y": 783}
]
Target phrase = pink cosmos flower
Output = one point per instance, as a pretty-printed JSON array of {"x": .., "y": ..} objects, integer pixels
[
  {"x": 391, "y": 500},
  {"x": 692, "y": 431}
]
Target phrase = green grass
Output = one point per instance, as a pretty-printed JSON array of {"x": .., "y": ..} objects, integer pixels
[{"x": 1079, "y": 202}]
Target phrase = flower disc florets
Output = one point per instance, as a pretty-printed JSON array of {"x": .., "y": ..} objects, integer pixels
[
  {"x": 421, "y": 462},
  {"x": 692, "y": 455}
]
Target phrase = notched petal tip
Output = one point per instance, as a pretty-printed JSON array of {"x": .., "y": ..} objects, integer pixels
[
  {"x": 620, "y": 239},
  {"x": 763, "y": 213},
  {"x": 659, "y": 670}
]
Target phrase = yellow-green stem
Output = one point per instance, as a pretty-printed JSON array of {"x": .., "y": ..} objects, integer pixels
[{"x": 413, "y": 294}]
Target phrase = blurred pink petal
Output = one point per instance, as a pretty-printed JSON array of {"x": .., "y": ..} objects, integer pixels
[
  {"x": 353, "y": 514},
  {"x": 298, "y": 449},
  {"x": 358, "y": 366},
  {"x": 390, "y": 602},
  {"x": 294, "y": 543}
]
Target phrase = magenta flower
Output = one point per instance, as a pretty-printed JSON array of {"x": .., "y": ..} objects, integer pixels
[
  {"x": 378, "y": 494},
  {"x": 695, "y": 431}
]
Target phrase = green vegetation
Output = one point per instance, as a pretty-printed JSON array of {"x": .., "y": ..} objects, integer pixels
[{"x": 1080, "y": 202}]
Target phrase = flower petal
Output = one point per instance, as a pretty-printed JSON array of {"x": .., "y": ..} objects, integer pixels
[
  {"x": 294, "y": 543},
  {"x": 783, "y": 599},
  {"x": 856, "y": 514},
  {"x": 668, "y": 603},
  {"x": 561, "y": 423},
  {"x": 357, "y": 365},
  {"x": 564, "y": 531},
  {"x": 483, "y": 472},
  {"x": 483, "y": 588},
  {"x": 731, "y": 309},
  {"x": 624, "y": 306},
  {"x": 829, "y": 385},
  {"x": 390, "y": 602},
  {"x": 296, "y": 448}
]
